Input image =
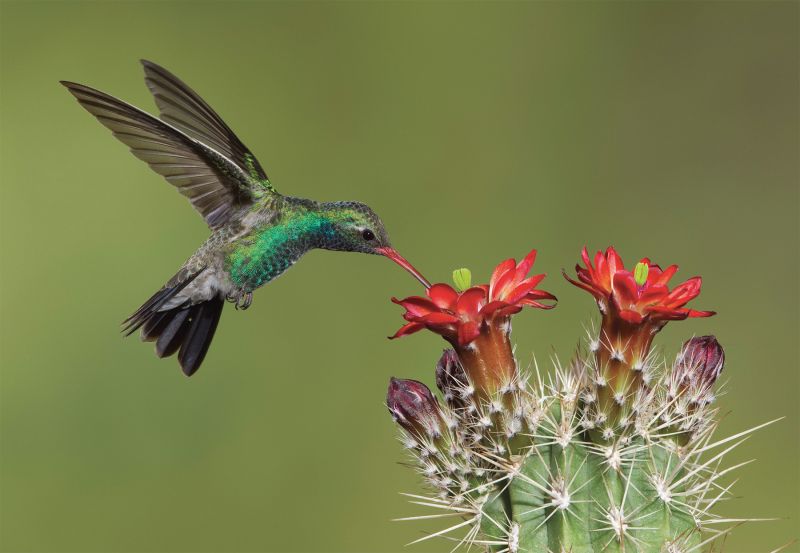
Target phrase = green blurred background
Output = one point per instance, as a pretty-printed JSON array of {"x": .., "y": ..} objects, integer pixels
[{"x": 478, "y": 131}]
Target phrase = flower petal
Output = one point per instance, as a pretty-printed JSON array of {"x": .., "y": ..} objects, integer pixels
[
  {"x": 539, "y": 295},
  {"x": 417, "y": 305},
  {"x": 438, "y": 318},
  {"x": 630, "y": 316},
  {"x": 407, "y": 329},
  {"x": 694, "y": 313},
  {"x": 536, "y": 304},
  {"x": 524, "y": 266},
  {"x": 467, "y": 332},
  {"x": 597, "y": 293},
  {"x": 522, "y": 289},
  {"x": 500, "y": 289},
  {"x": 489, "y": 309},
  {"x": 664, "y": 278},
  {"x": 508, "y": 310},
  {"x": 653, "y": 294},
  {"x": 660, "y": 312},
  {"x": 600, "y": 272},
  {"x": 499, "y": 271},
  {"x": 614, "y": 261},
  {"x": 684, "y": 293},
  {"x": 470, "y": 303},
  {"x": 585, "y": 258},
  {"x": 626, "y": 294},
  {"x": 443, "y": 296}
]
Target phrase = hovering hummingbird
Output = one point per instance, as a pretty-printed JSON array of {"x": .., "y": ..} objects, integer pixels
[{"x": 256, "y": 233}]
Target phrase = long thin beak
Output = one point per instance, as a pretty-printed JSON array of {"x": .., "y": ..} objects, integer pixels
[{"x": 393, "y": 254}]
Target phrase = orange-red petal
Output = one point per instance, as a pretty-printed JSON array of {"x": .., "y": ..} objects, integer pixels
[
  {"x": 470, "y": 302},
  {"x": 443, "y": 296},
  {"x": 417, "y": 305},
  {"x": 467, "y": 332},
  {"x": 407, "y": 329}
]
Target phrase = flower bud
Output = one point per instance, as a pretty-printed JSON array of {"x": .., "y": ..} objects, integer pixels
[
  {"x": 451, "y": 378},
  {"x": 701, "y": 361},
  {"x": 413, "y": 407}
]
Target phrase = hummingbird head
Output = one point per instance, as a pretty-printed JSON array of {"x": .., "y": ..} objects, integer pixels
[{"x": 356, "y": 228}]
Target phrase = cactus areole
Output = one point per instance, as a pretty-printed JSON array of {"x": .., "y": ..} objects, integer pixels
[{"x": 613, "y": 452}]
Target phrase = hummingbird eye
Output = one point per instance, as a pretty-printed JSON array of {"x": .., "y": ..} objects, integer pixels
[{"x": 368, "y": 235}]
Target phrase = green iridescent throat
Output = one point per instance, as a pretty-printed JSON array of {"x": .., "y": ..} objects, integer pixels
[{"x": 272, "y": 250}]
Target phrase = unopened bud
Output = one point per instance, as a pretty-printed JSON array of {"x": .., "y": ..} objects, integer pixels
[
  {"x": 451, "y": 378},
  {"x": 413, "y": 407},
  {"x": 701, "y": 361}
]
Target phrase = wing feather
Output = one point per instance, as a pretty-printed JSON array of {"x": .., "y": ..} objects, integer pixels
[
  {"x": 182, "y": 107},
  {"x": 214, "y": 184}
]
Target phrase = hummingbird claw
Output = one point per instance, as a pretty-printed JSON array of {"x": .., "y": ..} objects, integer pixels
[{"x": 240, "y": 300}]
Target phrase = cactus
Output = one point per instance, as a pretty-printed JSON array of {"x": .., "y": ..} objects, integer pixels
[{"x": 613, "y": 452}]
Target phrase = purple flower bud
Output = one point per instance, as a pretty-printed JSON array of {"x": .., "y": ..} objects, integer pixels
[
  {"x": 413, "y": 406},
  {"x": 451, "y": 378},
  {"x": 701, "y": 362}
]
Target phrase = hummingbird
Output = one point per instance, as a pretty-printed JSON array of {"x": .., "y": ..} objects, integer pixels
[{"x": 256, "y": 232}]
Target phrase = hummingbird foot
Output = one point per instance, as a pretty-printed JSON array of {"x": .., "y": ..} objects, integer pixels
[{"x": 240, "y": 299}]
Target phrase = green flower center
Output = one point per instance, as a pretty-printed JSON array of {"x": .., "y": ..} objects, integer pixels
[
  {"x": 462, "y": 278},
  {"x": 640, "y": 273}
]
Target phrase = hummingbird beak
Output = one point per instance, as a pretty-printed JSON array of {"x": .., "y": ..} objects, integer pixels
[{"x": 393, "y": 254}]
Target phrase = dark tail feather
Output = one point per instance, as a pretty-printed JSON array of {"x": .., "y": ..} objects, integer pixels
[
  {"x": 153, "y": 328},
  {"x": 171, "y": 338},
  {"x": 150, "y": 309},
  {"x": 203, "y": 321},
  {"x": 186, "y": 328}
]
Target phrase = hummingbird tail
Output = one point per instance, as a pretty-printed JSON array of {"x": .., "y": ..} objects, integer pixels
[{"x": 186, "y": 329}]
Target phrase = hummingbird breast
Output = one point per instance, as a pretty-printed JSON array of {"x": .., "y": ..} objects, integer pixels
[{"x": 264, "y": 253}]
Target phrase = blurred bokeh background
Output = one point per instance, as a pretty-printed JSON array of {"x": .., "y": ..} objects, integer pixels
[{"x": 477, "y": 131}]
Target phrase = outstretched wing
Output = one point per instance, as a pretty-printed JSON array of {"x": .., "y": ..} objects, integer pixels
[
  {"x": 183, "y": 108},
  {"x": 214, "y": 184}
]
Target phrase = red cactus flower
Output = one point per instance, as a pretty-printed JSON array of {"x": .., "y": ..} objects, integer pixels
[
  {"x": 636, "y": 304},
  {"x": 476, "y": 321},
  {"x": 460, "y": 316},
  {"x": 637, "y": 295}
]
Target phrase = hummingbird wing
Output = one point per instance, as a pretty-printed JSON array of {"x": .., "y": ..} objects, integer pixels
[
  {"x": 183, "y": 108},
  {"x": 214, "y": 184}
]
